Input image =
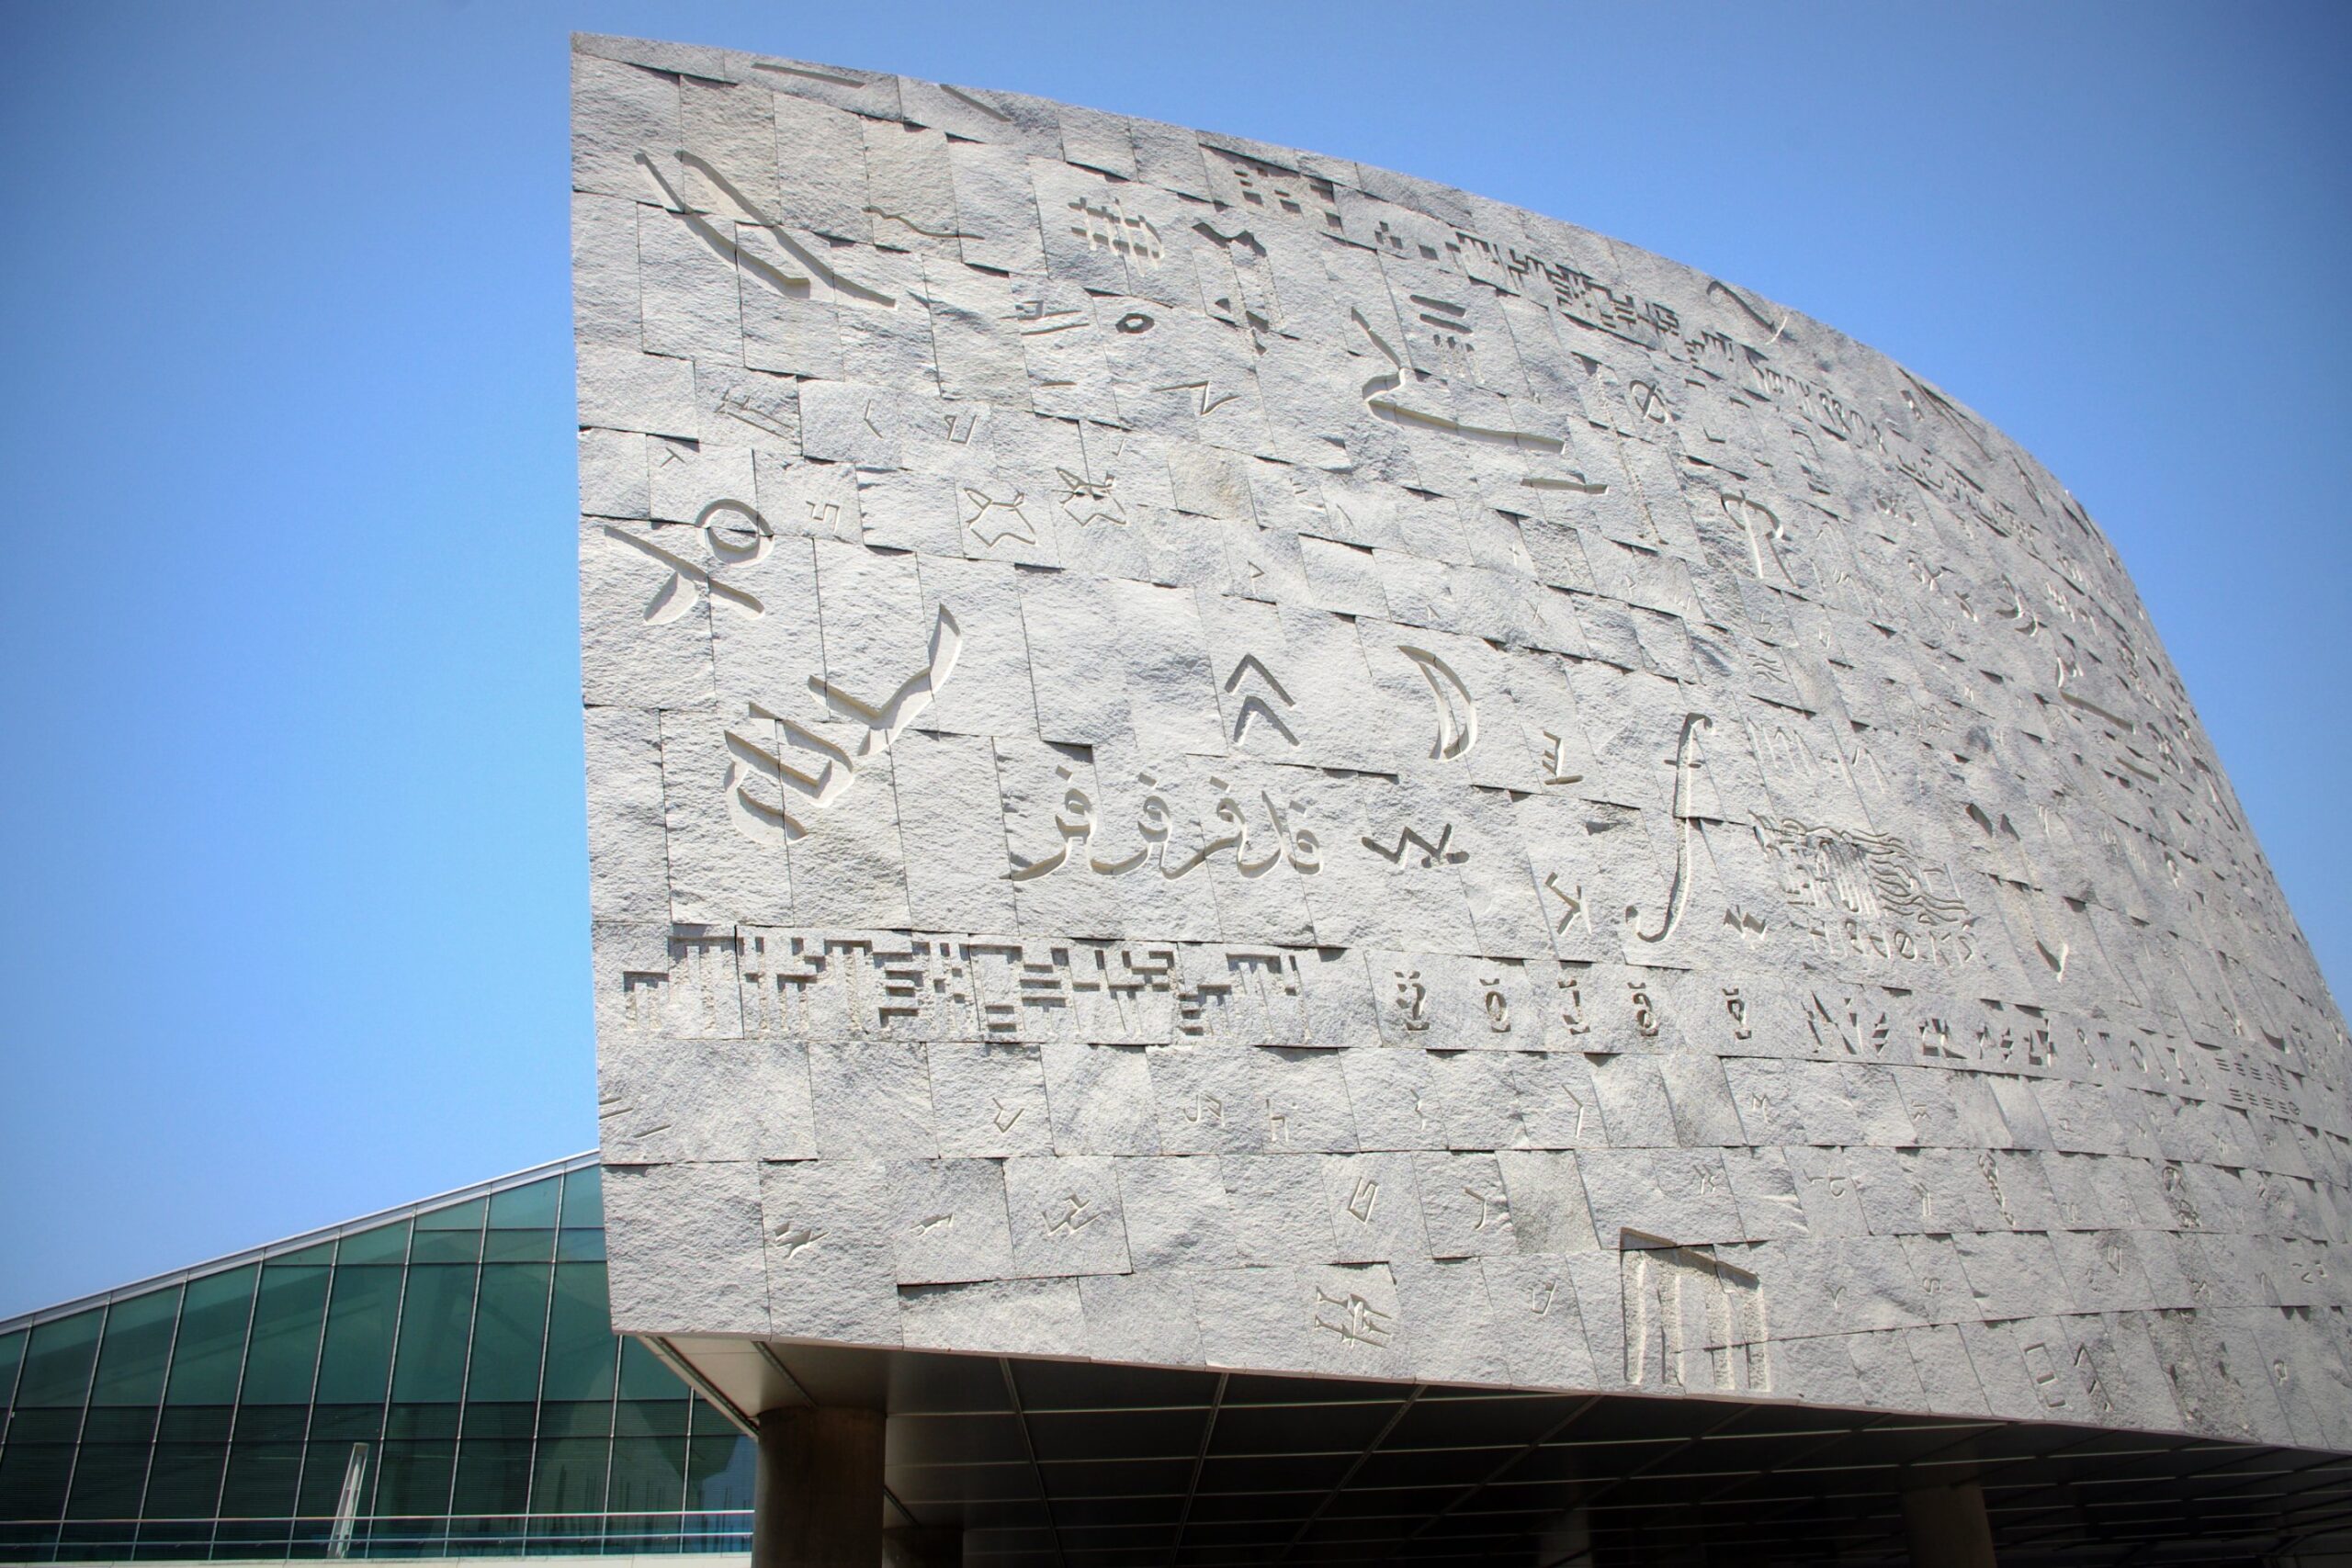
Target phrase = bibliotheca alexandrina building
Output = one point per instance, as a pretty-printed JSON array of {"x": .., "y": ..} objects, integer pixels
[{"x": 1290, "y": 868}]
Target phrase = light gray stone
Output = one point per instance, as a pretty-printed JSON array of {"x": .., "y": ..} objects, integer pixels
[
  {"x": 947, "y": 1220},
  {"x": 1176, "y": 1213},
  {"x": 1065, "y": 1215},
  {"x": 829, "y": 1260},
  {"x": 705, "y": 1213},
  {"x": 1147, "y": 1318},
  {"x": 872, "y": 1101},
  {"x": 1012, "y": 1318},
  {"x": 1200, "y": 755}
]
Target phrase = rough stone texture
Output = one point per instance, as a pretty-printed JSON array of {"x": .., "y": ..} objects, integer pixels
[{"x": 1202, "y": 755}]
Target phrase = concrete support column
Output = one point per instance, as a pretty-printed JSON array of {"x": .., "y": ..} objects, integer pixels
[
  {"x": 817, "y": 1501},
  {"x": 1947, "y": 1527}
]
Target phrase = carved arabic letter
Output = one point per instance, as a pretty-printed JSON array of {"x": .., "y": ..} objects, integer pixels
[
  {"x": 1077, "y": 829},
  {"x": 1259, "y": 868},
  {"x": 1302, "y": 847},
  {"x": 1457, "y": 713},
  {"x": 1685, "y": 760},
  {"x": 1227, "y": 811},
  {"x": 1143, "y": 831}
]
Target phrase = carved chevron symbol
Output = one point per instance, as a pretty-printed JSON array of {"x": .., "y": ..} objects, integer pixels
[{"x": 1255, "y": 706}]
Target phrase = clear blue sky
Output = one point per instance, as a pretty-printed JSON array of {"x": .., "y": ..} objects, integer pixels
[{"x": 295, "y": 901}]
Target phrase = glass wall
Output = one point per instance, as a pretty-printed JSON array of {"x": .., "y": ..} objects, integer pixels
[{"x": 444, "y": 1381}]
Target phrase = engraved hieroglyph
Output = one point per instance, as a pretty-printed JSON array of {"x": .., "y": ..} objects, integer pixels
[{"x": 1200, "y": 754}]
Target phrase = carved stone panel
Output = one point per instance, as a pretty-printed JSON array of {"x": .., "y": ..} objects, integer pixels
[{"x": 1210, "y": 756}]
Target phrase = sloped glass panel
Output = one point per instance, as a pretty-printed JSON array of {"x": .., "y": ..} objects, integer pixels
[
  {"x": 570, "y": 1478},
  {"x": 719, "y": 1471},
  {"x": 584, "y": 1199},
  {"x": 531, "y": 1207},
  {"x": 57, "y": 1361},
  {"x": 510, "y": 1326},
  {"x": 518, "y": 1247},
  {"x": 582, "y": 1349},
  {"x": 580, "y": 1246},
  {"x": 284, "y": 1353},
  {"x": 438, "y": 1308},
  {"x": 465, "y": 1216},
  {"x": 211, "y": 1347},
  {"x": 444, "y": 1246},
  {"x": 648, "y": 1475},
  {"x": 385, "y": 1244},
  {"x": 360, "y": 1317},
  {"x": 137, "y": 1350},
  {"x": 108, "y": 1478}
]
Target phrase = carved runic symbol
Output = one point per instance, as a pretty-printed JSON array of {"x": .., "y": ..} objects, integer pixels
[
  {"x": 738, "y": 536},
  {"x": 1572, "y": 902},
  {"x": 1006, "y": 1115},
  {"x": 1360, "y": 1200},
  {"x": 1412, "y": 998},
  {"x": 1079, "y": 1215},
  {"x": 1356, "y": 1319},
  {"x": 992, "y": 521},
  {"x": 1255, "y": 704},
  {"x": 1431, "y": 853},
  {"x": 1491, "y": 1208},
  {"x": 1088, "y": 501},
  {"x": 794, "y": 1237},
  {"x": 1556, "y": 761}
]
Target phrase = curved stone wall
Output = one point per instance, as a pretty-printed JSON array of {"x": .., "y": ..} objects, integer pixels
[{"x": 1203, "y": 754}]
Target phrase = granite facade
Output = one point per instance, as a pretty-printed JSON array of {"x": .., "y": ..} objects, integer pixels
[{"x": 1200, "y": 754}]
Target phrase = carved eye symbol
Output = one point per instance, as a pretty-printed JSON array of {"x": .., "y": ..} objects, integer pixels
[{"x": 1133, "y": 322}]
